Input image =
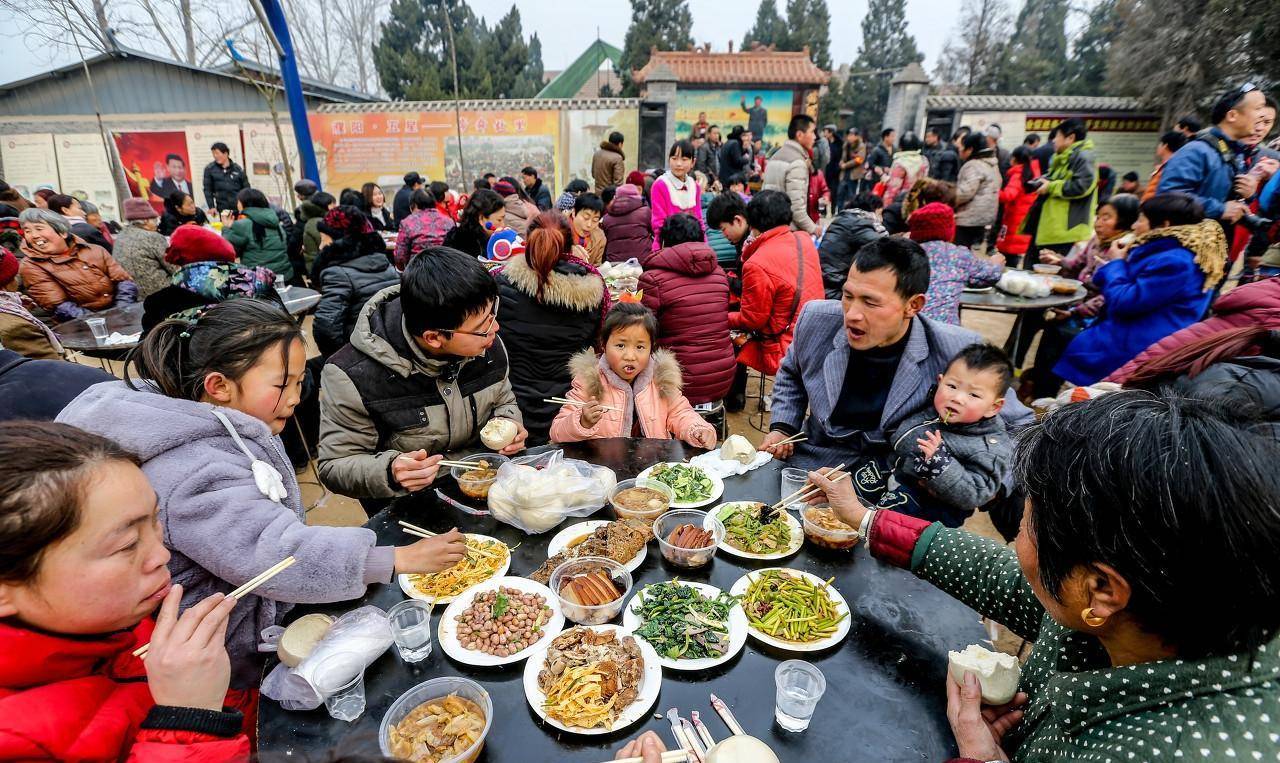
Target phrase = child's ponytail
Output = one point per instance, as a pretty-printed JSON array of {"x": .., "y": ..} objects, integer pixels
[
  {"x": 547, "y": 242},
  {"x": 228, "y": 338}
]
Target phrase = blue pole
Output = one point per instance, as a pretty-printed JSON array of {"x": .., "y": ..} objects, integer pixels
[{"x": 293, "y": 90}]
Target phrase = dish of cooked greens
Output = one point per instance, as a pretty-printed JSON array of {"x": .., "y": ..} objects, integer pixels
[
  {"x": 691, "y": 626},
  {"x": 692, "y": 486},
  {"x": 757, "y": 531}
]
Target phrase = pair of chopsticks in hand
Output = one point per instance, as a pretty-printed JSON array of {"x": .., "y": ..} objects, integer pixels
[
  {"x": 792, "y": 440},
  {"x": 424, "y": 533},
  {"x": 567, "y": 401},
  {"x": 808, "y": 491},
  {"x": 240, "y": 592}
]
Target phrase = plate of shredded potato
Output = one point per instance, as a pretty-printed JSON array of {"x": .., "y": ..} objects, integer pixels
[
  {"x": 486, "y": 558},
  {"x": 593, "y": 680}
]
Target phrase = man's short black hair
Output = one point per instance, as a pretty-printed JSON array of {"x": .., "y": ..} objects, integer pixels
[
  {"x": 1172, "y": 208},
  {"x": 906, "y": 258},
  {"x": 170, "y": 157},
  {"x": 1073, "y": 126},
  {"x": 439, "y": 190},
  {"x": 488, "y": 175},
  {"x": 323, "y": 199},
  {"x": 680, "y": 229},
  {"x": 1031, "y": 140},
  {"x": 589, "y": 202},
  {"x": 798, "y": 124},
  {"x": 480, "y": 184},
  {"x": 1131, "y": 175},
  {"x": 442, "y": 287},
  {"x": 530, "y": 171},
  {"x": 867, "y": 202},
  {"x": 607, "y": 193},
  {"x": 577, "y": 186},
  {"x": 220, "y": 146},
  {"x": 1190, "y": 122},
  {"x": 1229, "y": 100},
  {"x": 616, "y": 138},
  {"x": 723, "y": 208},
  {"x": 412, "y": 178},
  {"x": 768, "y": 210},
  {"x": 1174, "y": 140},
  {"x": 886, "y": 132},
  {"x": 981, "y": 356},
  {"x": 938, "y": 133}
]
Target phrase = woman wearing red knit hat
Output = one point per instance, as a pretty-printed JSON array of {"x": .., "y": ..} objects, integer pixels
[
  {"x": 951, "y": 267},
  {"x": 192, "y": 243}
]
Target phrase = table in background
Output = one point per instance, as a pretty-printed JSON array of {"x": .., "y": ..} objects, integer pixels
[
  {"x": 885, "y": 697},
  {"x": 996, "y": 301}
]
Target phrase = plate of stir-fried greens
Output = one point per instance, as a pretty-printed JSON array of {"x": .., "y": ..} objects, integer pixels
[
  {"x": 692, "y": 485},
  {"x": 692, "y": 626},
  {"x": 753, "y": 530}
]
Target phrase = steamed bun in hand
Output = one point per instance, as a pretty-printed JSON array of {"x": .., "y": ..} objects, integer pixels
[
  {"x": 498, "y": 433},
  {"x": 997, "y": 672}
]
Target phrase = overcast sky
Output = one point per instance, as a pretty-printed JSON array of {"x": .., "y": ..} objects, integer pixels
[{"x": 568, "y": 26}]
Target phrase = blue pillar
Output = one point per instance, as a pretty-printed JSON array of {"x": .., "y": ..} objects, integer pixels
[{"x": 293, "y": 91}]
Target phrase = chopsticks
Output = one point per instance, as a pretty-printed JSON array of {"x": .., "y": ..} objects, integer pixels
[
  {"x": 240, "y": 592},
  {"x": 792, "y": 440},
  {"x": 460, "y": 464},
  {"x": 808, "y": 491},
  {"x": 567, "y": 401},
  {"x": 422, "y": 533},
  {"x": 672, "y": 756}
]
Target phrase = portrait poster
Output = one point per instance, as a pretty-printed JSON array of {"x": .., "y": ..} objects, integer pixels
[
  {"x": 764, "y": 112},
  {"x": 155, "y": 165}
]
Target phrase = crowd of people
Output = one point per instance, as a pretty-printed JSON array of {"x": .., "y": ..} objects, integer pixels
[{"x": 833, "y": 267}]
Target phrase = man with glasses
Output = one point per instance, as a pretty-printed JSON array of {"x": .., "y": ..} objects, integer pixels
[
  {"x": 1211, "y": 166},
  {"x": 423, "y": 373}
]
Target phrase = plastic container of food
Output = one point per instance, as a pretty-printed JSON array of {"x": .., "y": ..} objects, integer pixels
[
  {"x": 474, "y": 484},
  {"x": 598, "y": 614},
  {"x": 435, "y": 689},
  {"x": 823, "y": 528},
  {"x": 629, "y": 509},
  {"x": 688, "y": 557},
  {"x": 1045, "y": 269}
]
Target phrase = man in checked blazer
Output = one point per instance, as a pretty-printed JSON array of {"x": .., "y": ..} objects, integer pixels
[{"x": 859, "y": 367}]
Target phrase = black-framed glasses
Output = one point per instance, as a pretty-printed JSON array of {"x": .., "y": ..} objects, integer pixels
[{"x": 488, "y": 330}]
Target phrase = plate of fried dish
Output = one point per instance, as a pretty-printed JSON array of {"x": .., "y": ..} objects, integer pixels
[
  {"x": 792, "y": 609},
  {"x": 625, "y": 541},
  {"x": 500, "y": 621},
  {"x": 593, "y": 680},
  {"x": 753, "y": 530},
  {"x": 691, "y": 626},
  {"x": 487, "y": 557},
  {"x": 693, "y": 486}
]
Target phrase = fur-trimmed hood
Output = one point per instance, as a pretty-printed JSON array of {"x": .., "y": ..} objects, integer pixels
[
  {"x": 573, "y": 284},
  {"x": 587, "y": 368},
  {"x": 614, "y": 147}
]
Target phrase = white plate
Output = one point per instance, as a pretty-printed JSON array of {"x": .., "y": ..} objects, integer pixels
[
  {"x": 448, "y": 632},
  {"x": 797, "y": 537},
  {"x": 561, "y": 541},
  {"x": 842, "y": 630},
  {"x": 717, "y": 488},
  {"x": 979, "y": 289},
  {"x": 412, "y": 592},
  {"x": 737, "y": 630},
  {"x": 650, "y": 685}
]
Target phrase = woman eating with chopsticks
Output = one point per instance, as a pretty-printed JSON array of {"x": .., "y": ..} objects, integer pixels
[
  {"x": 82, "y": 570},
  {"x": 215, "y": 392},
  {"x": 1145, "y": 578}
]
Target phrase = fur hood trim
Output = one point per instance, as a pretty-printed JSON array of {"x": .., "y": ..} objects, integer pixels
[
  {"x": 576, "y": 291},
  {"x": 584, "y": 366},
  {"x": 614, "y": 147}
]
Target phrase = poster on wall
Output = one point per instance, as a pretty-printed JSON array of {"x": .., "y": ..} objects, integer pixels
[
  {"x": 585, "y": 129},
  {"x": 29, "y": 162},
  {"x": 1124, "y": 142},
  {"x": 764, "y": 112},
  {"x": 265, "y": 164},
  {"x": 85, "y": 173},
  {"x": 155, "y": 164},
  {"x": 199, "y": 139}
]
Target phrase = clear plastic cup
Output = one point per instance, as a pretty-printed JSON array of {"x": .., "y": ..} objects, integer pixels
[
  {"x": 410, "y": 622},
  {"x": 800, "y": 685},
  {"x": 99, "y": 328},
  {"x": 343, "y": 693},
  {"x": 792, "y": 480}
]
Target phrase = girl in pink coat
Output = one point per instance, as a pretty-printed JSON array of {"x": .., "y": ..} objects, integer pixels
[
  {"x": 675, "y": 191},
  {"x": 630, "y": 390}
]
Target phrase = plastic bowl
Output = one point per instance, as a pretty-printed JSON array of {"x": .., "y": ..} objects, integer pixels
[
  {"x": 839, "y": 540},
  {"x": 688, "y": 557},
  {"x": 439, "y": 688},
  {"x": 1046, "y": 269},
  {"x": 598, "y": 614},
  {"x": 623, "y": 513},
  {"x": 478, "y": 488}
]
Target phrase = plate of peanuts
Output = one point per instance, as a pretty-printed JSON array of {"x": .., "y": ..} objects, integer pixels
[{"x": 500, "y": 621}]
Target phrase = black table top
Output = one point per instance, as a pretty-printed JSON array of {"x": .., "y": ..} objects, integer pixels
[{"x": 885, "y": 699}]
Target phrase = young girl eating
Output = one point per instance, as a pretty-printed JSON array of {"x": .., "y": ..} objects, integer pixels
[
  {"x": 82, "y": 569},
  {"x": 630, "y": 390},
  {"x": 214, "y": 394}
]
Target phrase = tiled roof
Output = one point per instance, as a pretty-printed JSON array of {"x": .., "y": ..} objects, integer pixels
[
  {"x": 1032, "y": 103},
  {"x": 747, "y": 67}
]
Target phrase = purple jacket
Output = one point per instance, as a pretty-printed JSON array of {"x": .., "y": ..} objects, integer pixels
[
  {"x": 420, "y": 231},
  {"x": 219, "y": 526},
  {"x": 626, "y": 226}
]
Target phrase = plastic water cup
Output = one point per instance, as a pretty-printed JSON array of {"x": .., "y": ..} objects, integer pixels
[
  {"x": 410, "y": 622},
  {"x": 792, "y": 480},
  {"x": 343, "y": 693},
  {"x": 99, "y": 328},
  {"x": 800, "y": 686}
]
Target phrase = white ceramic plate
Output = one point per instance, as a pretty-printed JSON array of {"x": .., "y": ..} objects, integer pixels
[
  {"x": 979, "y": 289},
  {"x": 448, "y": 632},
  {"x": 412, "y": 591},
  {"x": 562, "y": 539},
  {"x": 737, "y": 630},
  {"x": 797, "y": 537},
  {"x": 717, "y": 488},
  {"x": 635, "y": 712},
  {"x": 842, "y": 630}
]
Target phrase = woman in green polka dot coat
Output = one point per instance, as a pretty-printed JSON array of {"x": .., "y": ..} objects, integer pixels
[{"x": 1145, "y": 573}]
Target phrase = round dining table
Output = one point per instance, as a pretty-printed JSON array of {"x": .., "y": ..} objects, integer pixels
[
  {"x": 885, "y": 698},
  {"x": 992, "y": 300}
]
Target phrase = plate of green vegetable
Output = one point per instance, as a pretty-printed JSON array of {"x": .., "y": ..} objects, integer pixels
[
  {"x": 753, "y": 530},
  {"x": 792, "y": 609},
  {"x": 693, "y": 486},
  {"x": 692, "y": 626}
]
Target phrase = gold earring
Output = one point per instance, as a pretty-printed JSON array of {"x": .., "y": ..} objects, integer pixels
[{"x": 1090, "y": 619}]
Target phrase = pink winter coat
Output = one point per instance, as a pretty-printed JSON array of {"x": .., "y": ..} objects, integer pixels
[
  {"x": 655, "y": 396},
  {"x": 664, "y": 202}
]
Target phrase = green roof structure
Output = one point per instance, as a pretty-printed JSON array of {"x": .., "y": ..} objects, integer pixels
[{"x": 584, "y": 67}]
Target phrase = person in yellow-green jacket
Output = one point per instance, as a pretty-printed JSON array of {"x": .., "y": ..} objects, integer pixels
[
  {"x": 1068, "y": 192},
  {"x": 1144, "y": 576}
]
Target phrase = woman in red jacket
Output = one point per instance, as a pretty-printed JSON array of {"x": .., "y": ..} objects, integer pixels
[
  {"x": 1016, "y": 199},
  {"x": 689, "y": 292},
  {"x": 82, "y": 567}
]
